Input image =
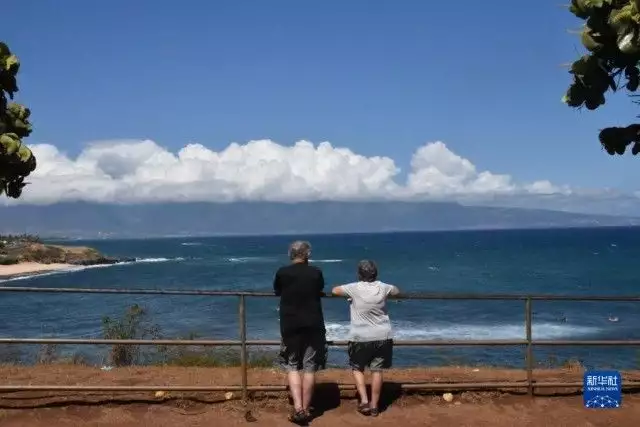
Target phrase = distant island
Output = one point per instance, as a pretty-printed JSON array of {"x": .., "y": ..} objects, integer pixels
[
  {"x": 27, "y": 254},
  {"x": 85, "y": 220}
]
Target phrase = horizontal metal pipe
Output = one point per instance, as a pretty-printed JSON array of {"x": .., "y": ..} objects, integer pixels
[
  {"x": 185, "y": 292},
  {"x": 239, "y": 388},
  {"x": 586, "y": 342},
  {"x": 132, "y": 388},
  {"x": 235, "y": 343},
  {"x": 408, "y": 296},
  {"x": 342, "y": 343},
  {"x": 96, "y": 341},
  {"x": 405, "y": 386}
]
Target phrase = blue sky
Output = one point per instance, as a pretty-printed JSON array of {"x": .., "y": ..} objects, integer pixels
[{"x": 380, "y": 77}]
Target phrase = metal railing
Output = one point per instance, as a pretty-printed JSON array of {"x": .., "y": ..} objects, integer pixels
[{"x": 528, "y": 342}]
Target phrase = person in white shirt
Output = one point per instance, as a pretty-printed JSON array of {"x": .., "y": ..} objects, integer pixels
[{"x": 370, "y": 340}]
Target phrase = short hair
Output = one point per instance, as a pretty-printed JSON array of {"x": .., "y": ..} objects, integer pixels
[
  {"x": 367, "y": 271},
  {"x": 299, "y": 250}
]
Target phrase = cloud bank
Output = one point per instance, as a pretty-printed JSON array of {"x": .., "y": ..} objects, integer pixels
[{"x": 141, "y": 171}]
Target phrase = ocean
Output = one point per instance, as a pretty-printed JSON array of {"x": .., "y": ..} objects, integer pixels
[{"x": 596, "y": 261}]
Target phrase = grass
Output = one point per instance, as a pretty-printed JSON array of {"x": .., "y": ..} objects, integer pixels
[
  {"x": 48, "y": 355},
  {"x": 178, "y": 357},
  {"x": 553, "y": 362},
  {"x": 216, "y": 358}
]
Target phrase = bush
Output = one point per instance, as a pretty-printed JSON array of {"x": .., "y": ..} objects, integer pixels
[
  {"x": 133, "y": 325},
  {"x": 47, "y": 354},
  {"x": 9, "y": 260}
]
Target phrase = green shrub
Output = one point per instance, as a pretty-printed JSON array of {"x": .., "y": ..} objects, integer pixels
[
  {"x": 133, "y": 325},
  {"x": 8, "y": 260}
]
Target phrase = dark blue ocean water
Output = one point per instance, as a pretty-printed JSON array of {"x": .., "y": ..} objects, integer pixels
[{"x": 566, "y": 262}]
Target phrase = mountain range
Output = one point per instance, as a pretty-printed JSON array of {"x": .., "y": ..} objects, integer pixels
[{"x": 94, "y": 220}]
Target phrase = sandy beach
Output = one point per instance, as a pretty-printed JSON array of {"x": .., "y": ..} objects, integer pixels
[{"x": 25, "y": 268}]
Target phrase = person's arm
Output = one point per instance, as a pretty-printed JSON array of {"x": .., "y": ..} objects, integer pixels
[
  {"x": 277, "y": 285},
  {"x": 341, "y": 291},
  {"x": 338, "y": 291},
  {"x": 393, "y": 290},
  {"x": 321, "y": 284}
]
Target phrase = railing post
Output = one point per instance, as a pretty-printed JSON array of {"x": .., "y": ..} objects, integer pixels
[
  {"x": 528, "y": 316},
  {"x": 243, "y": 347}
]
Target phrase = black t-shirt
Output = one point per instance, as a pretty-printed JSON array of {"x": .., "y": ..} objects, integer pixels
[{"x": 300, "y": 289}]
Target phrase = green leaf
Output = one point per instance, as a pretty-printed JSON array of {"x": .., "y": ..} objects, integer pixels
[{"x": 11, "y": 64}]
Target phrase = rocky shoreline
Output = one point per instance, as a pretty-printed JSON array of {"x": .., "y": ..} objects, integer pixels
[{"x": 103, "y": 261}]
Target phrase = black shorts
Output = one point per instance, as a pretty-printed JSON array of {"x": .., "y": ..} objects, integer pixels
[
  {"x": 376, "y": 355},
  {"x": 304, "y": 352}
]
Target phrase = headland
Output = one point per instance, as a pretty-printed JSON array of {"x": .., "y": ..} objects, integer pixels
[{"x": 26, "y": 255}]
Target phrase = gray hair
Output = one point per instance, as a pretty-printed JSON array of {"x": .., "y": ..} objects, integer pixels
[
  {"x": 300, "y": 250},
  {"x": 367, "y": 271}
]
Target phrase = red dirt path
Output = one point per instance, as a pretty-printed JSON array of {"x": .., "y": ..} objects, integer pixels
[{"x": 491, "y": 409}]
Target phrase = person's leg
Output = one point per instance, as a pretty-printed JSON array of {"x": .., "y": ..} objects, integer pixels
[
  {"x": 308, "y": 384},
  {"x": 382, "y": 360},
  {"x": 359, "y": 355},
  {"x": 361, "y": 386},
  {"x": 295, "y": 388},
  {"x": 314, "y": 359},
  {"x": 291, "y": 363},
  {"x": 376, "y": 388},
  {"x": 299, "y": 415}
]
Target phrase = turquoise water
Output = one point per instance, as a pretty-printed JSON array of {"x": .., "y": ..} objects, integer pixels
[{"x": 565, "y": 262}]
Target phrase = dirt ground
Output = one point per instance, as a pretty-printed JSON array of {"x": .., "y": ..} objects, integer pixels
[{"x": 499, "y": 408}]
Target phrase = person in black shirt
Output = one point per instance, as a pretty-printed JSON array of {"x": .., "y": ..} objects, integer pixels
[{"x": 303, "y": 335}]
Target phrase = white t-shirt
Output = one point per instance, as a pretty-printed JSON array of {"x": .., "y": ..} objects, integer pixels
[{"x": 369, "y": 318}]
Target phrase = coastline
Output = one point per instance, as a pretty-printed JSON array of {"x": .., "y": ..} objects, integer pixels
[
  {"x": 28, "y": 268},
  {"x": 22, "y": 256}
]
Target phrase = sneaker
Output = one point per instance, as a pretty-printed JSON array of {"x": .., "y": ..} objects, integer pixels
[{"x": 374, "y": 412}]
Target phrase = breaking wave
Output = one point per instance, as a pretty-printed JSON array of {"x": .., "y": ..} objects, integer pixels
[
  {"x": 409, "y": 330},
  {"x": 250, "y": 259},
  {"x": 75, "y": 269},
  {"x": 245, "y": 259}
]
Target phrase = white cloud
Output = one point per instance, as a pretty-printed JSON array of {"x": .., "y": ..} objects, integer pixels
[{"x": 143, "y": 171}]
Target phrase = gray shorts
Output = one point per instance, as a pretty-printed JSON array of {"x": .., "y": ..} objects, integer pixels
[{"x": 303, "y": 352}]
